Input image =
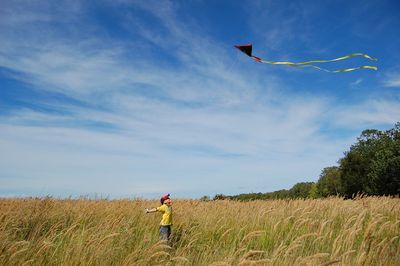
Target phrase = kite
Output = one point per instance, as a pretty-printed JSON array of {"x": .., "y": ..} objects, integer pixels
[{"x": 247, "y": 49}]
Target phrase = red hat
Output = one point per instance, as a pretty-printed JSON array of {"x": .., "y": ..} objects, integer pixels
[{"x": 163, "y": 198}]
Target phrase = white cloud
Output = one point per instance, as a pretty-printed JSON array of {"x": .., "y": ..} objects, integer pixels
[
  {"x": 368, "y": 114},
  {"x": 356, "y": 82},
  {"x": 157, "y": 141},
  {"x": 392, "y": 80}
]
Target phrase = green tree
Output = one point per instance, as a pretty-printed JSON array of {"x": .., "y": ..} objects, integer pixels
[
  {"x": 205, "y": 198},
  {"x": 220, "y": 197},
  {"x": 372, "y": 165},
  {"x": 313, "y": 193},
  {"x": 329, "y": 183},
  {"x": 301, "y": 190},
  {"x": 385, "y": 167}
]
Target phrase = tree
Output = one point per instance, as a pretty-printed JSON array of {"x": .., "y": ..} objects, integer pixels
[
  {"x": 301, "y": 190},
  {"x": 220, "y": 197},
  {"x": 385, "y": 167},
  {"x": 372, "y": 165},
  {"x": 313, "y": 193},
  {"x": 329, "y": 183},
  {"x": 205, "y": 198}
]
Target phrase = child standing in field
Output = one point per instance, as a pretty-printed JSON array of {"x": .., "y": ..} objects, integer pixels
[{"x": 166, "y": 221}]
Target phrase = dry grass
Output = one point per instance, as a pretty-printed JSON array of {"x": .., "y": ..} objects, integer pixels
[{"x": 330, "y": 231}]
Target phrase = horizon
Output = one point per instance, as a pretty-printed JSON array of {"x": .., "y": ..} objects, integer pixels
[{"x": 141, "y": 98}]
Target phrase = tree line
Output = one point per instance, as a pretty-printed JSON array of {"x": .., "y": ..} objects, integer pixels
[{"x": 371, "y": 166}]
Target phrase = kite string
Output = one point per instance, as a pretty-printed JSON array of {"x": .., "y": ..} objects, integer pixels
[{"x": 232, "y": 66}]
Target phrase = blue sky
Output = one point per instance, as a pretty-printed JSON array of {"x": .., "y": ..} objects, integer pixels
[{"x": 142, "y": 98}]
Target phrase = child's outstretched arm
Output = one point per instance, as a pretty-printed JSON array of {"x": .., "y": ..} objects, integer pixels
[{"x": 151, "y": 210}]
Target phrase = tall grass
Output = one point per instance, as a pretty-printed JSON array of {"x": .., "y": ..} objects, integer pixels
[{"x": 333, "y": 231}]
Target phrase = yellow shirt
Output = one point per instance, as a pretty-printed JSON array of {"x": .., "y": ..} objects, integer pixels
[{"x": 167, "y": 214}]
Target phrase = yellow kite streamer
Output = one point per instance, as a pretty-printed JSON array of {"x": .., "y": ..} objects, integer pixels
[{"x": 247, "y": 49}]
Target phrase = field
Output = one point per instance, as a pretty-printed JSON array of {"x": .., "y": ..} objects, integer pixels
[{"x": 329, "y": 231}]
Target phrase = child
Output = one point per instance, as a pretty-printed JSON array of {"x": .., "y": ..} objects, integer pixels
[{"x": 166, "y": 221}]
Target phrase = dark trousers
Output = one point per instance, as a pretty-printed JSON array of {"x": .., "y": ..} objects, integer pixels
[{"x": 165, "y": 232}]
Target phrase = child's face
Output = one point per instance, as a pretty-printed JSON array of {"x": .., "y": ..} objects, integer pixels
[{"x": 168, "y": 202}]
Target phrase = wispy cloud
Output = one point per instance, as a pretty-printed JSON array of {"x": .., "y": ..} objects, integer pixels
[
  {"x": 392, "y": 80},
  {"x": 367, "y": 114},
  {"x": 357, "y": 82}
]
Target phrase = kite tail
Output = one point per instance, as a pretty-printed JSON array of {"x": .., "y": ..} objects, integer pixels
[
  {"x": 309, "y": 63},
  {"x": 333, "y": 71},
  {"x": 337, "y": 59},
  {"x": 355, "y": 68}
]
